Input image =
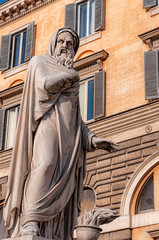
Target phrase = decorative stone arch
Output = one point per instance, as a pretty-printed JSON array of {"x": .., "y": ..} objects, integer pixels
[
  {"x": 148, "y": 164},
  {"x": 84, "y": 54},
  {"x": 15, "y": 82}
]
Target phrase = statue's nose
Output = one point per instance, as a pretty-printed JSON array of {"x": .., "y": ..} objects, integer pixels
[{"x": 64, "y": 44}]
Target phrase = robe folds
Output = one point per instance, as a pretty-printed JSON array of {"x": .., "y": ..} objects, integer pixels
[{"x": 47, "y": 116}]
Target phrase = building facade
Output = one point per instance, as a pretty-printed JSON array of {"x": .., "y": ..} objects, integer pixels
[{"x": 119, "y": 95}]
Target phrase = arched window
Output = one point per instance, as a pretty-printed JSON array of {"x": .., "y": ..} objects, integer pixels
[
  {"x": 147, "y": 194},
  {"x": 88, "y": 200},
  {"x": 145, "y": 199}
]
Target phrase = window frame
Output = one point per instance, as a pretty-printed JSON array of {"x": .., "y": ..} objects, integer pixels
[
  {"x": 134, "y": 204},
  {"x": 21, "y": 33},
  {"x": 8, "y": 43},
  {"x": 137, "y": 210},
  {"x": 82, "y": 81},
  {"x": 6, "y": 122},
  {"x": 71, "y": 18},
  {"x": 88, "y": 18}
]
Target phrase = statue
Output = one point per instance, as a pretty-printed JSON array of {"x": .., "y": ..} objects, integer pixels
[
  {"x": 48, "y": 162},
  {"x": 89, "y": 224}
]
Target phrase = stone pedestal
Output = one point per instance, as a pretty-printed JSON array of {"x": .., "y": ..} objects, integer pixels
[{"x": 27, "y": 237}]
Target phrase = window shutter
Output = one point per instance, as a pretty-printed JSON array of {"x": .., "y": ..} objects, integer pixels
[
  {"x": 29, "y": 41},
  {"x": 99, "y": 79},
  {"x": 149, "y": 3},
  {"x": 99, "y": 20},
  {"x": 2, "y": 113},
  {"x": 151, "y": 74},
  {"x": 5, "y": 52},
  {"x": 70, "y": 16}
]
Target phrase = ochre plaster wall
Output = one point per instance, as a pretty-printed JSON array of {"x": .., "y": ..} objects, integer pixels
[
  {"x": 142, "y": 232},
  {"x": 125, "y": 64}
]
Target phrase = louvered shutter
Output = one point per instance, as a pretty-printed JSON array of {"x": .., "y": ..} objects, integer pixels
[
  {"x": 70, "y": 16},
  {"x": 149, "y": 3},
  {"x": 99, "y": 20},
  {"x": 151, "y": 74},
  {"x": 5, "y": 52},
  {"x": 2, "y": 113},
  {"x": 99, "y": 79},
  {"x": 29, "y": 41}
]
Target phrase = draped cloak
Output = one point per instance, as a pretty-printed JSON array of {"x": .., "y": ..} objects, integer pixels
[{"x": 58, "y": 208}]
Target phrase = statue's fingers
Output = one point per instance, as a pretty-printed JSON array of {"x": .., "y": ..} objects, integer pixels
[{"x": 111, "y": 149}]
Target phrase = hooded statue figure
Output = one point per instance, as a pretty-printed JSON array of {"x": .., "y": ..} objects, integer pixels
[{"x": 48, "y": 162}]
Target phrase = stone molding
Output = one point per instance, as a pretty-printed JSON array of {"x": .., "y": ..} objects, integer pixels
[
  {"x": 154, "y": 11},
  {"x": 95, "y": 57},
  {"x": 151, "y": 38},
  {"x": 15, "y": 9},
  {"x": 144, "y": 219},
  {"x": 136, "y": 178},
  {"x": 135, "y": 221},
  {"x": 90, "y": 64},
  {"x": 90, "y": 38},
  {"x": 128, "y": 124},
  {"x": 12, "y": 91},
  {"x": 15, "y": 70}
]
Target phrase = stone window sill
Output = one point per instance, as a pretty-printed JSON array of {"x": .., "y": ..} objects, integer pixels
[
  {"x": 154, "y": 11},
  {"x": 15, "y": 70},
  {"x": 90, "y": 38}
]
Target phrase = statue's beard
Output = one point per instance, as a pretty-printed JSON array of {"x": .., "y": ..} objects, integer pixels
[{"x": 64, "y": 57}]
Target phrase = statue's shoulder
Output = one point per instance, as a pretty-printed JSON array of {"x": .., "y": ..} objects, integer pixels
[{"x": 37, "y": 59}]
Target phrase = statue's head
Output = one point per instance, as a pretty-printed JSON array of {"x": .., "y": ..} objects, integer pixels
[{"x": 63, "y": 46}]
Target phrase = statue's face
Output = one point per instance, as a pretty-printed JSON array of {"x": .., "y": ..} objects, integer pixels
[{"x": 64, "y": 44}]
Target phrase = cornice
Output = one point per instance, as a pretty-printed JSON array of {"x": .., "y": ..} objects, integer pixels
[
  {"x": 93, "y": 58},
  {"x": 15, "y": 9},
  {"x": 149, "y": 34},
  {"x": 151, "y": 38},
  {"x": 9, "y": 92},
  {"x": 141, "y": 116}
]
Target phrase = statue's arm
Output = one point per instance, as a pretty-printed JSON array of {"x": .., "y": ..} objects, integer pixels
[
  {"x": 54, "y": 83},
  {"x": 91, "y": 142},
  {"x": 87, "y": 136}
]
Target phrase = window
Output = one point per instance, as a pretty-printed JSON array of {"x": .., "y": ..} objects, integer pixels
[
  {"x": 92, "y": 96},
  {"x": 86, "y": 96},
  {"x": 12, "y": 117},
  {"x": 85, "y": 17},
  {"x": 146, "y": 196},
  {"x": 16, "y": 47},
  {"x": 8, "y": 122}
]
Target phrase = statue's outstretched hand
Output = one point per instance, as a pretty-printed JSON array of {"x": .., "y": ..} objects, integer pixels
[{"x": 103, "y": 143}]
